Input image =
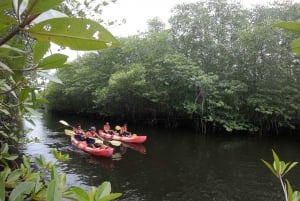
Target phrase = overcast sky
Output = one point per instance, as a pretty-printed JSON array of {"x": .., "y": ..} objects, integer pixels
[{"x": 137, "y": 12}]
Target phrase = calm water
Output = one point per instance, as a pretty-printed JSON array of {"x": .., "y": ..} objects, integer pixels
[{"x": 176, "y": 166}]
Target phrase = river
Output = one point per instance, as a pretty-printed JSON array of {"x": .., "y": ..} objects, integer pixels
[{"x": 172, "y": 165}]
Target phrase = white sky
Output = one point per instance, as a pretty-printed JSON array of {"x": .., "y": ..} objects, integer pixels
[{"x": 137, "y": 12}]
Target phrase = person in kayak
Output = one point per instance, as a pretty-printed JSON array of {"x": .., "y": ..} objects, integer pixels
[
  {"x": 90, "y": 135},
  {"x": 107, "y": 129},
  {"x": 124, "y": 132},
  {"x": 79, "y": 133}
]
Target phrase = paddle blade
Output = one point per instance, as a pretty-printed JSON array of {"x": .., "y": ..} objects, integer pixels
[
  {"x": 115, "y": 143},
  {"x": 64, "y": 123},
  {"x": 98, "y": 141},
  {"x": 69, "y": 132}
]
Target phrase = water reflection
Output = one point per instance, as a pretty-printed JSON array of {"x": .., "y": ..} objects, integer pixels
[
  {"x": 47, "y": 140},
  {"x": 174, "y": 165},
  {"x": 141, "y": 148}
]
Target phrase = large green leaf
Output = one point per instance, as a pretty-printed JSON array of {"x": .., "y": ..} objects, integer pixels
[
  {"x": 75, "y": 33},
  {"x": 5, "y": 4},
  {"x": 53, "y": 192},
  {"x": 21, "y": 189},
  {"x": 53, "y": 61},
  {"x": 295, "y": 45},
  {"x": 14, "y": 176},
  {"x": 291, "y": 26},
  {"x": 6, "y": 21},
  {"x": 80, "y": 193},
  {"x": 39, "y": 6},
  {"x": 40, "y": 49},
  {"x": 103, "y": 190}
]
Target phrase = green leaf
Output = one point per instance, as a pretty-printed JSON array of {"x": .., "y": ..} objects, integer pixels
[
  {"x": 4, "y": 148},
  {"x": 296, "y": 196},
  {"x": 62, "y": 180},
  {"x": 6, "y": 20},
  {"x": 39, "y": 6},
  {"x": 289, "y": 167},
  {"x": 5, "y": 4},
  {"x": 4, "y": 173},
  {"x": 11, "y": 157},
  {"x": 92, "y": 193},
  {"x": 53, "y": 61},
  {"x": 103, "y": 190},
  {"x": 2, "y": 190},
  {"x": 290, "y": 26},
  {"x": 111, "y": 196},
  {"x": 14, "y": 176},
  {"x": 53, "y": 192},
  {"x": 276, "y": 163},
  {"x": 270, "y": 167},
  {"x": 289, "y": 191},
  {"x": 39, "y": 50},
  {"x": 24, "y": 94},
  {"x": 295, "y": 45},
  {"x": 11, "y": 48},
  {"x": 5, "y": 67},
  {"x": 20, "y": 189},
  {"x": 41, "y": 161},
  {"x": 33, "y": 176},
  {"x": 54, "y": 173},
  {"x": 75, "y": 33},
  {"x": 80, "y": 193}
]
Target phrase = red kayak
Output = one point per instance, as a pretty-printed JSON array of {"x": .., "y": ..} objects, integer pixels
[
  {"x": 131, "y": 139},
  {"x": 105, "y": 152}
]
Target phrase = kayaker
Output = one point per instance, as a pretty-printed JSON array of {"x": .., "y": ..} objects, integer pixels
[
  {"x": 79, "y": 133},
  {"x": 123, "y": 131},
  {"x": 107, "y": 129},
  {"x": 91, "y": 134},
  {"x": 77, "y": 129}
]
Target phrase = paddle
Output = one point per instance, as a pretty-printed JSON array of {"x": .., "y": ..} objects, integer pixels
[
  {"x": 65, "y": 123},
  {"x": 70, "y": 133}
]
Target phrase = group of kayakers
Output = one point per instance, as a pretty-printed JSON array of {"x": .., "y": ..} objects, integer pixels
[
  {"x": 89, "y": 136},
  {"x": 92, "y": 134}
]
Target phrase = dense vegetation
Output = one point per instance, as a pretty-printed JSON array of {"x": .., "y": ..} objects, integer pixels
[
  {"x": 218, "y": 65},
  {"x": 27, "y": 28},
  {"x": 213, "y": 67}
]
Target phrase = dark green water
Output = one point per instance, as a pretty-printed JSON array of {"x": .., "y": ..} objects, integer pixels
[{"x": 176, "y": 166}]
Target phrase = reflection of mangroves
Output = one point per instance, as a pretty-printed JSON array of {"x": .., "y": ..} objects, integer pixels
[{"x": 137, "y": 147}]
